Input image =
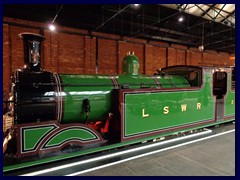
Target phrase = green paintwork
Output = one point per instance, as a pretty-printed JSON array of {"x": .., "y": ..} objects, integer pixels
[
  {"x": 71, "y": 134},
  {"x": 33, "y": 135},
  {"x": 165, "y": 81},
  {"x": 155, "y": 117},
  {"x": 130, "y": 65},
  {"x": 136, "y": 82},
  {"x": 179, "y": 81},
  {"x": 98, "y": 89}
]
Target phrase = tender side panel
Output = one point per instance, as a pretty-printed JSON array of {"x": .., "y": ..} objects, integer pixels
[{"x": 151, "y": 111}]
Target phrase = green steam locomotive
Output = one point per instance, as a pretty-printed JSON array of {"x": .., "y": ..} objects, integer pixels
[{"x": 55, "y": 116}]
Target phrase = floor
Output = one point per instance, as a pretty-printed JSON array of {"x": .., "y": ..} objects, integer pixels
[{"x": 211, "y": 157}]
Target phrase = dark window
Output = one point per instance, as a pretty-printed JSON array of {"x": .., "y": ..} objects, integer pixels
[{"x": 219, "y": 84}]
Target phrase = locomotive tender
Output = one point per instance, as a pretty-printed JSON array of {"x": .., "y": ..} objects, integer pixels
[{"x": 51, "y": 114}]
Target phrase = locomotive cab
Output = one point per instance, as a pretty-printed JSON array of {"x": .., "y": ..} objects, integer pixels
[
  {"x": 192, "y": 74},
  {"x": 223, "y": 86}
]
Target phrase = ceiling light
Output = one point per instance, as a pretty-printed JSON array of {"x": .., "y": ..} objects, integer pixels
[
  {"x": 52, "y": 27},
  {"x": 180, "y": 19},
  {"x": 201, "y": 48},
  {"x": 136, "y": 6}
]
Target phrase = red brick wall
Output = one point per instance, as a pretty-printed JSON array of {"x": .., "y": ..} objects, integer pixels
[
  {"x": 107, "y": 56},
  {"x": 194, "y": 57},
  {"x": 7, "y": 66},
  {"x": 155, "y": 58},
  {"x": 74, "y": 51}
]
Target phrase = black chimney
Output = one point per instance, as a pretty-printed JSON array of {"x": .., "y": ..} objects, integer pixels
[{"x": 32, "y": 51}]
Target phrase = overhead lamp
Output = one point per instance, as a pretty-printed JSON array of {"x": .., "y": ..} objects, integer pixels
[
  {"x": 180, "y": 19},
  {"x": 52, "y": 27},
  {"x": 201, "y": 48},
  {"x": 135, "y": 6}
]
